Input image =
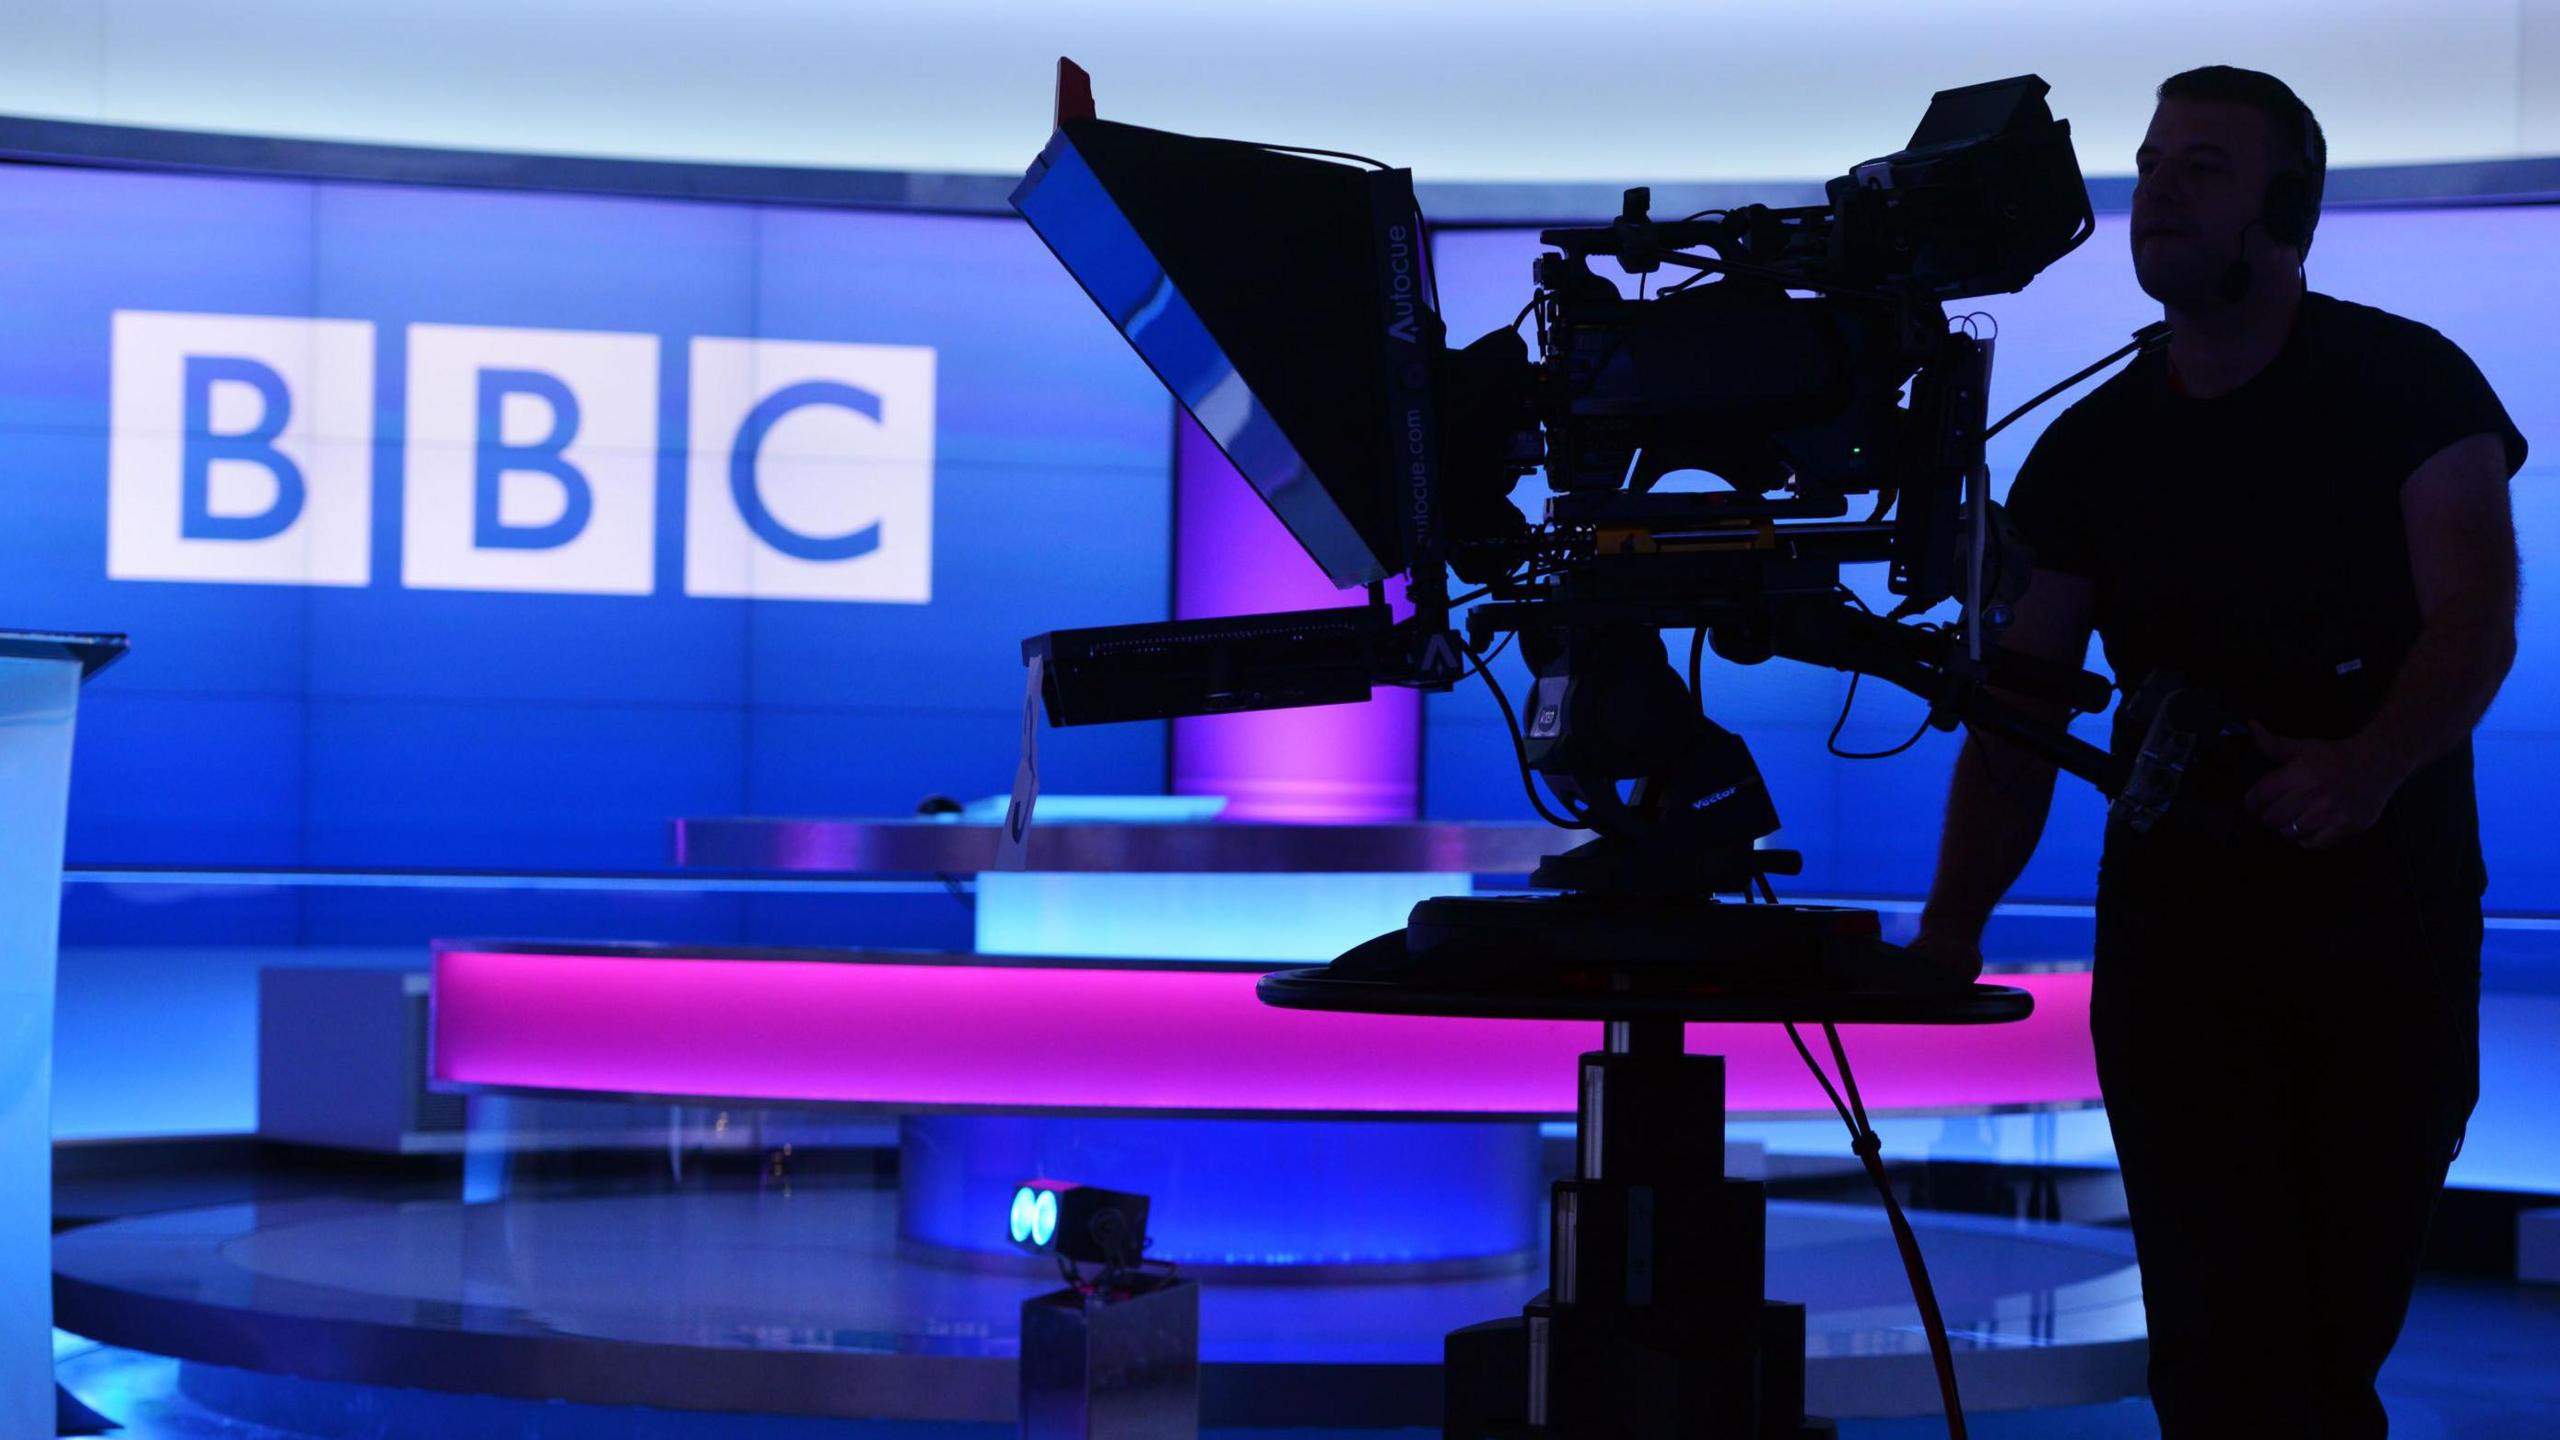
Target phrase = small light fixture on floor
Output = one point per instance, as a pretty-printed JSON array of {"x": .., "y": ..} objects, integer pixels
[{"x": 1114, "y": 1354}]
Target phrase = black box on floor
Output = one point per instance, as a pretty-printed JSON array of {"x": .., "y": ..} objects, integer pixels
[{"x": 1121, "y": 1365}]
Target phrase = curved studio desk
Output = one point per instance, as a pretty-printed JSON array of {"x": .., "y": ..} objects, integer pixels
[{"x": 1106, "y": 1031}]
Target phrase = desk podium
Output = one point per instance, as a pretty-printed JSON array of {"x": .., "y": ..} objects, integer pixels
[{"x": 40, "y": 677}]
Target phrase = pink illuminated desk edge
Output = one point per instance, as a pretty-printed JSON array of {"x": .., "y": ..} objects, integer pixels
[{"x": 915, "y": 1031}]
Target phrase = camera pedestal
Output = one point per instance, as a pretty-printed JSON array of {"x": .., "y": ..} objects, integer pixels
[{"x": 1653, "y": 1324}]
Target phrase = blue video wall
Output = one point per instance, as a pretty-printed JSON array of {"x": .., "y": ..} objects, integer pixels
[
  {"x": 491, "y": 530},
  {"x": 2483, "y": 276}
]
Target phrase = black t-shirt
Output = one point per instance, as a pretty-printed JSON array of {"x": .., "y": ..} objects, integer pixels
[{"x": 2253, "y": 544}]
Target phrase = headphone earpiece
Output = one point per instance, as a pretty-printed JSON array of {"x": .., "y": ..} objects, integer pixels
[{"x": 2289, "y": 210}]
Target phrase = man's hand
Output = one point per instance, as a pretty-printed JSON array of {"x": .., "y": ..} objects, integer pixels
[
  {"x": 2322, "y": 792},
  {"x": 1937, "y": 961}
]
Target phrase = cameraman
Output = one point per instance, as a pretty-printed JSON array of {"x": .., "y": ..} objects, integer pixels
[{"x": 2300, "y": 507}]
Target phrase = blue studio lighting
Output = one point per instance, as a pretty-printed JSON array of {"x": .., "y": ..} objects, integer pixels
[{"x": 1034, "y": 1217}]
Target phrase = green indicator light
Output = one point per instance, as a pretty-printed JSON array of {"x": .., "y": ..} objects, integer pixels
[
  {"x": 1023, "y": 1207},
  {"x": 1044, "y": 1218}
]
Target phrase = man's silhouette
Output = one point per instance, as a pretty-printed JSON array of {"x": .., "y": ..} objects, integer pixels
[{"x": 2300, "y": 509}]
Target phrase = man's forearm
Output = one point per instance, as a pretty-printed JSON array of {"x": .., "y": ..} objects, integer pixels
[
  {"x": 1996, "y": 808},
  {"x": 2445, "y": 685}
]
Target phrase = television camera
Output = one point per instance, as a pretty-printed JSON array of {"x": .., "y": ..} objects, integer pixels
[{"x": 1803, "y": 356}]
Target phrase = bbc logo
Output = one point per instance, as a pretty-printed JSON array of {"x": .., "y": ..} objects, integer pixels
[{"x": 241, "y": 449}]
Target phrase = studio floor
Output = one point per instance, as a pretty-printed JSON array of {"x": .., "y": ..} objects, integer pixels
[
  {"x": 2480, "y": 1358},
  {"x": 2480, "y": 1361}
]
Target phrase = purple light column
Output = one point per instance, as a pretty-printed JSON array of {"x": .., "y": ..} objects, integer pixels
[{"x": 1330, "y": 763}]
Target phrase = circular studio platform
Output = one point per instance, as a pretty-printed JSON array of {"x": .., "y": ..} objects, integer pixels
[{"x": 804, "y": 1303}]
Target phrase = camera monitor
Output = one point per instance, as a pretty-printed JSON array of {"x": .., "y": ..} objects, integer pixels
[{"x": 1228, "y": 266}]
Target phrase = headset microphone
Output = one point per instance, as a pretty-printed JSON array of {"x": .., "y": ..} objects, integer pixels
[
  {"x": 2289, "y": 211},
  {"x": 2237, "y": 277}
]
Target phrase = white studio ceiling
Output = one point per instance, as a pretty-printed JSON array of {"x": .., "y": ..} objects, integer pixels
[{"x": 1488, "y": 90}]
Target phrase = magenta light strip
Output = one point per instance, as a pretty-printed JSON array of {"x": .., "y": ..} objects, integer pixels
[
  {"x": 1355, "y": 764},
  {"x": 1031, "y": 1037}
]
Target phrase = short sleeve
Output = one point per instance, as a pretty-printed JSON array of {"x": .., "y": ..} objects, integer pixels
[
  {"x": 2443, "y": 398},
  {"x": 2049, "y": 503}
]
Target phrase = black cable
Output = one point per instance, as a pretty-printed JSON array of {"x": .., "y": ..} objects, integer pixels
[
  {"x": 1819, "y": 1075},
  {"x": 2155, "y": 333},
  {"x": 1671, "y": 290},
  {"x": 1697, "y": 654},
  {"x": 1311, "y": 150},
  {"x": 1784, "y": 280},
  {"x": 1869, "y": 1148},
  {"x": 1870, "y": 1151},
  {"x": 1848, "y": 1080},
  {"x": 1646, "y": 276},
  {"x": 1421, "y": 226},
  {"x": 1832, "y": 744},
  {"x": 1519, "y": 747},
  {"x": 1999, "y": 786},
  {"x": 1477, "y": 594}
]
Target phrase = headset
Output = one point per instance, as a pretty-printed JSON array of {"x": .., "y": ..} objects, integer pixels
[{"x": 2290, "y": 209}]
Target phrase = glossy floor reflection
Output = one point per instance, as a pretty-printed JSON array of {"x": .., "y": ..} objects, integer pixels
[
  {"x": 800, "y": 1303},
  {"x": 2475, "y": 1364}
]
